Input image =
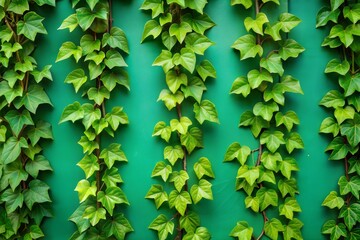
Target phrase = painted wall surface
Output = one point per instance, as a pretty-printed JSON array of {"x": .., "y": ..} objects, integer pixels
[{"x": 317, "y": 175}]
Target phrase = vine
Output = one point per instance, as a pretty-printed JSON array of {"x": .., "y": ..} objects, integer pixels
[
  {"x": 266, "y": 173},
  {"x": 181, "y": 24},
  {"x": 101, "y": 50},
  {"x": 342, "y": 18},
  {"x": 24, "y": 197}
]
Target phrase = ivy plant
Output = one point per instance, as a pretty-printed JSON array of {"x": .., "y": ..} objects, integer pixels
[
  {"x": 266, "y": 173},
  {"x": 100, "y": 71},
  {"x": 181, "y": 26},
  {"x": 24, "y": 196},
  {"x": 342, "y": 19}
]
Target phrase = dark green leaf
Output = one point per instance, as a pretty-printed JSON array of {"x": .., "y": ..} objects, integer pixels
[
  {"x": 12, "y": 149},
  {"x": 18, "y": 120},
  {"x": 325, "y": 15},
  {"x": 37, "y": 192},
  {"x": 31, "y": 25}
]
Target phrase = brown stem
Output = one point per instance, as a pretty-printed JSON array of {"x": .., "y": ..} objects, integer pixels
[
  {"x": 260, "y": 150},
  {"x": 110, "y": 20}
]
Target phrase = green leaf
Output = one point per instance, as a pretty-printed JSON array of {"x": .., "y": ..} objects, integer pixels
[
  {"x": 289, "y": 207},
  {"x": 247, "y": 47},
  {"x": 339, "y": 148},
  {"x": 9, "y": 48},
  {"x": 242, "y": 231},
  {"x": 250, "y": 174},
  {"x": 352, "y": 13},
  {"x": 116, "y": 39},
  {"x": 342, "y": 114},
  {"x": 162, "y": 130},
  {"x": 351, "y": 129},
  {"x": 336, "y": 66},
  {"x": 31, "y": 25},
  {"x": 35, "y": 232},
  {"x": 156, "y": 7},
  {"x": 180, "y": 125},
  {"x": 94, "y": 214},
  {"x": 273, "y": 64},
  {"x": 287, "y": 166},
  {"x": 198, "y": 22},
  {"x": 40, "y": 75},
  {"x": 92, "y": 3},
  {"x": 205, "y": 69},
  {"x": 203, "y": 167},
  {"x": 18, "y": 6},
  {"x": 18, "y": 120},
  {"x": 111, "y": 177},
  {"x": 200, "y": 233},
  {"x": 344, "y": 35},
  {"x": 98, "y": 94},
  {"x": 157, "y": 193},
  {"x": 288, "y": 186},
  {"x": 37, "y": 192},
  {"x": 275, "y": 93},
  {"x": 196, "y": 5},
  {"x": 256, "y": 24},
  {"x": 335, "y": 230},
  {"x": 3, "y": 130},
  {"x": 41, "y": 130},
  {"x": 293, "y": 141},
  {"x": 256, "y": 123},
  {"x": 288, "y": 119},
  {"x": 350, "y": 83},
  {"x": 40, "y": 163},
  {"x": 187, "y": 59},
  {"x": 67, "y": 50},
  {"x": 171, "y": 100},
  {"x": 89, "y": 164},
  {"x": 192, "y": 139},
  {"x": 267, "y": 197},
  {"x": 89, "y": 44},
  {"x": 179, "y": 2},
  {"x": 293, "y": 230},
  {"x": 270, "y": 160},
  {"x": 72, "y": 112},
  {"x": 241, "y": 153},
  {"x": 113, "y": 77},
  {"x": 12, "y": 149},
  {"x": 288, "y": 21},
  {"x": 265, "y": 110},
  {"x": 333, "y": 201},
  {"x": 174, "y": 80},
  {"x": 197, "y": 43},
  {"x": 163, "y": 170},
  {"x": 173, "y": 153},
  {"x": 34, "y": 97},
  {"x": 179, "y": 200},
  {"x": 325, "y": 15},
  {"x": 163, "y": 226},
  {"x": 12, "y": 199},
  {"x": 112, "y": 153},
  {"x": 85, "y": 190},
  {"x": 290, "y": 48},
  {"x": 335, "y": 4},
  {"x": 201, "y": 190},
  {"x": 71, "y": 22},
  {"x": 273, "y": 30},
  {"x": 246, "y": 3},
  {"x": 205, "y": 111},
  {"x": 194, "y": 88},
  {"x": 333, "y": 99},
  {"x": 253, "y": 203},
  {"x": 151, "y": 28},
  {"x": 190, "y": 221},
  {"x": 290, "y": 84},
  {"x": 272, "y": 228},
  {"x": 179, "y": 179},
  {"x": 114, "y": 59},
  {"x": 164, "y": 60},
  {"x": 241, "y": 86},
  {"x": 118, "y": 226},
  {"x": 10, "y": 93},
  {"x": 353, "y": 186},
  {"x": 111, "y": 197},
  {"x": 256, "y": 78},
  {"x": 355, "y": 101},
  {"x": 86, "y": 16},
  {"x": 96, "y": 57}
]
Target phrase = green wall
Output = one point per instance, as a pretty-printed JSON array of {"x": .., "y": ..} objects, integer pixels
[{"x": 317, "y": 175}]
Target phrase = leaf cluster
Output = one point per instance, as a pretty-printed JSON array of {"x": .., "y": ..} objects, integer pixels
[
  {"x": 24, "y": 197},
  {"x": 181, "y": 25},
  {"x": 101, "y": 53},
  {"x": 344, "y": 125},
  {"x": 266, "y": 174}
]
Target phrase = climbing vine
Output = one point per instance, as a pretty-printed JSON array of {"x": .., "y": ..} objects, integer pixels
[
  {"x": 342, "y": 18},
  {"x": 24, "y": 197},
  {"x": 266, "y": 173},
  {"x": 100, "y": 53},
  {"x": 181, "y": 25}
]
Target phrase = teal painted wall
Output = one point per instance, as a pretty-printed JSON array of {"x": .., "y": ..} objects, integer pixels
[{"x": 317, "y": 175}]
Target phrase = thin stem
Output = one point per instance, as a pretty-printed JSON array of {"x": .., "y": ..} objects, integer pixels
[
  {"x": 258, "y": 162},
  {"x": 352, "y": 62}
]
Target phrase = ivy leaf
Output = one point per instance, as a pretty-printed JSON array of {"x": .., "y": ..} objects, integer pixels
[
  {"x": 111, "y": 177},
  {"x": 256, "y": 78},
  {"x": 71, "y": 22},
  {"x": 151, "y": 28},
  {"x": 293, "y": 141},
  {"x": 89, "y": 44},
  {"x": 96, "y": 57},
  {"x": 241, "y": 153},
  {"x": 37, "y": 192},
  {"x": 42, "y": 130},
  {"x": 12, "y": 149},
  {"x": 116, "y": 39},
  {"x": 290, "y": 84},
  {"x": 163, "y": 170},
  {"x": 256, "y": 24},
  {"x": 118, "y": 226},
  {"x": 91, "y": 114},
  {"x": 18, "y": 120},
  {"x": 85, "y": 190},
  {"x": 162, "y": 130},
  {"x": 170, "y": 99},
  {"x": 273, "y": 30},
  {"x": 335, "y": 4},
  {"x": 111, "y": 197},
  {"x": 203, "y": 167},
  {"x": 195, "y": 88},
  {"x": 180, "y": 30},
  {"x": 205, "y": 111},
  {"x": 353, "y": 186},
  {"x": 290, "y": 48},
  {"x": 205, "y": 69},
  {"x": 270, "y": 160},
  {"x": 9, "y": 48},
  {"x": 157, "y": 193},
  {"x": 34, "y": 97},
  {"x": 201, "y": 190},
  {"x": 190, "y": 221},
  {"x": 335, "y": 230},
  {"x": 250, "y": 174},
  {"x": 34, "y": 232},
  {"x": 40, "y": 75},
  {"x": 86, "y": 16},
  {"x": 293, "y": 230},
  {"x": 352, "y": 13},
  {"x": 253, "y": 203},
  {"x": 98, "y": 94},
  {"x": 179, "y": 200},
  {"x": 174, "y": 81},
  {"x": 267, "y": 197},
  {"x": 351, "y": 129},
  {"x": 241, "y": 86},
  {"x": 89, "y": 164},
  {"x": 94, "y": 214},
  {"x": 339, "y": 148},
  {"x": 196, "y": 5},
  {"x": 273, "y": 227},
  {"x": 242, "y": 231},
  {"x": 342, "y": 114},
  {"x": 355, "y": 101},
  {"x": 112, "y": 153},
  {"x": 287, "y": 166},
  {"x": 354, "y": 165},
  {"x": 3, "y": 130},
  {"x": 351, "y": 215},
  {"x": 288, "y": 119},
  {"x": 113, "y": 77},
  {"x": 31, "y": 25},
  {"x": 187, "y": 59},
  {"x": 180, "y": 125},
  {"x": 179, "y": 179},
  {"x": 156, "y": 7},
  {"x": 163, "y": 226},
  {"x": 169, "y": 42},
  {"x": 265, "y": 110},
  {"x": 273, "y": 140},
  {"x": 164, "y": 60},
  {"x": 200, "y": 233},
  {"x": 333, "y": 99},
  {"x": 247, "y": 47},
  {"x": 256, "y": 123},
  {"x": 72, "y": 112},
  {"x": 197, "y": 43},
  {"x": 67, "y": 50},
  {"x": 344, "y": 35},
  {"x": 18, "y": 6},
  {"x": 350, "y": 83},
  {"x": 273, "y": 64},
  {"x": 12, "y": 199},
  {"x": 336, "y": 66},
  {"x": 179, "y": 2},
  {"x": 325, "y": 15},
  {"x": 288, "y": 186},
  {"x": 333, "y": 201},
  {"x": 114, "y": 59},
  {"x": 289, "y": 207},
  {"x": 173, "y": 153},
  {"x": 288, "y": 21},
  {"x": 246, "y": 3},
  {"x": 192, "y": 139}
]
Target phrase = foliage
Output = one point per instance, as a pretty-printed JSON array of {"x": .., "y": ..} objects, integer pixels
[
  {"x": 268, "y": 181},
  {"x": 100, "y": 52},
  {"x": 181, "y": 25},
  {"x": 24, "y": 197},
  {"x": 342, "y": 18}
]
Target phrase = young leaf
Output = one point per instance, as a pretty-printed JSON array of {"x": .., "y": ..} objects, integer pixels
[
  {"x": 200, "y": 233},
  {"x": 287, "y": 166},
  {"x": 288, "y": 186},
  {"x": 192, "y": 139},
  {"x": 351, "y": 215},
  {"x": 205, "y": 69},
  {"x": 157, "y": 193},
  {"x": 116, "y": 39},
  {"x": 201, "y": 190},
  {"x": 335, "y": 230},
  {"x": 194, "y": 88},
  {"x": 273, "y": 64},
  {"x": 12, "y": 149},
  {"x": 111, "y": 197},
  {"x": 336, "y": 66},
  {"x": 253, "y": 203},
  {"x": 205, "y": 111},
  {"x": 342, "y": 114},
  {"x": 164, "y": 60},
  {"x": 163, "y": 226},
  {"x": 162, "y": 170},
  {"x": 72, "y": 112},
  {"x": 71, "y": 22},
  {"x": 273, "y": 227},
  {"x": 18, "y": 120},
  {"x": 41, "y": 130},
  {"x": 111, "y": 177},
  {"x": 293, "y": 141},
  {"x": 351, "y": 129},
  {"x": 156, "y": 7},
  {"x": 256, "y": 24},
  {"x": 325, "y": 15},
  {"x": 246, "y": 3},
  {"x": 289, "y": 207},
  {"x": 112, "y": 153},
  {"x": 31, "y": 25},
  {"x": 179, "y": 200},
  {"x": 198, "y": 22},
  {"x": 288, "y": 21},
  {"x": 174, "y": 80},
  {"x": 67, "y": 50},
  {"x": 353, "y": 186},
  {"x": 290, "y": 48},
  {"x": 196, "y": 5},
  {"x": 247, "y": 47},
  {"x": 288, "y": 119},
  {"x": 190, "y": 221},
  {"x": 171, "y": 100},
  {"x": 333, "y": 99},
  {"x": 179, "y": 179},
  {"x": 350, "y": 83},
  {"x": 273, "y": 140},
  {"x": 89, "y": 164},
  {"x": 241, "y": 86},
  {"x": 180, "y": 30},
  {"x": 197, "y": 43},
  {"x": 242, "y": 231},
  {"x": 118, "y": 226},
  {"x": 293, "y": 229},
  {"x": 173, "y": 153},
  {"x": 203, "y": 167},
  {"x": 256, "y": 78},
  {"x": 94, "y": 214},
  {"x": 250, "y": 174},
  {"x": 162, "y": 130},
  {"x": 241, "y": 153},
  {"x": 265, "y": 110},
  {"x": 180, "y": 125}
]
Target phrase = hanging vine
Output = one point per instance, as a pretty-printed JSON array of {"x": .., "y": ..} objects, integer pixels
[
  {"x": 342, "y": 18},
  {"x": 181, "y": 25},
  {"x": 101, "y": 51},
  {"x": 266, "y": 173},
  {"x": 24, "y": 197}
]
